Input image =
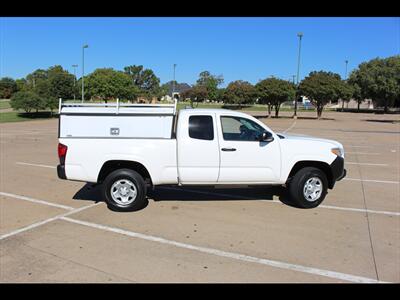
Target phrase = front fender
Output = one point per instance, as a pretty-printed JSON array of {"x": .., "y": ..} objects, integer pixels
[{"x": 288, "y": 164}]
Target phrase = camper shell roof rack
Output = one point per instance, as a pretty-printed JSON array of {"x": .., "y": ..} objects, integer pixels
[{"x": 115, "y": 108}]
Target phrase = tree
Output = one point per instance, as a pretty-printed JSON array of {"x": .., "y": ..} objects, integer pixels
[
  {"x": 144, "y": 79},
  {"x": 357, "y": 95},
  {"x": 34, "y": 76},
  {"x": 21, "y": 84},
  {"x": 42, "y": 88},
  {"x": 220, "y": 94},
  {"x": 108, "y": 84},
  {"x": 320, "y": 87},
  {"x": 28, "y": 101},
  {"x": 273, "y": 92},
  {"x": 61, "y": 83},
  {"x": 239, "y": 92},
  {"x": 379, "y": 80},
  {"x": 8, "y": 87},
  {"x": 345, "y": 91},
  {"x": 210, "y": 83},
  {"x": 162, "y": 91},
  {"x": 51, "y": 84},
  {"x": 197, "y": 93}
]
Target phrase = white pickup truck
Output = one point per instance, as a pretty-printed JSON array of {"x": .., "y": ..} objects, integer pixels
[{"x": 131, "y": 147}]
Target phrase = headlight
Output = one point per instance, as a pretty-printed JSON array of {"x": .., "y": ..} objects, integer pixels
[{"x": 338, "y": 151}]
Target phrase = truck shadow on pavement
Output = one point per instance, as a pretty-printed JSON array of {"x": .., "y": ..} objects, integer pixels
[{"x": 176, "y": 193}]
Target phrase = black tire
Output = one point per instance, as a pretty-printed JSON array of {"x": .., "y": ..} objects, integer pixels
[
  {"x": 297, "y": 185},
  {"x": 125, "y": 176}
]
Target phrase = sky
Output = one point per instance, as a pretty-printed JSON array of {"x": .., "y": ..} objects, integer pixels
[{"x": 249, "y": 48}]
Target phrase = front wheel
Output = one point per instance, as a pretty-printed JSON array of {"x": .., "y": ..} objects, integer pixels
[
  {"x": 308, "y": 187},
  {"x": 125, "y": 190}
]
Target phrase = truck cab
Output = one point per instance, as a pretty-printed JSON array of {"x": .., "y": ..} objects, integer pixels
[{"x": 222, "y": 146}]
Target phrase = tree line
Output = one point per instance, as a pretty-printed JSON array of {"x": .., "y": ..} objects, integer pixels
[{"x": 377, "y": 79}]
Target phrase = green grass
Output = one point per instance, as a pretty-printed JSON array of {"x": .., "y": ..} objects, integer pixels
[
  {"x": 4, "y": 104},
  {"x": 19, "y": 117}
]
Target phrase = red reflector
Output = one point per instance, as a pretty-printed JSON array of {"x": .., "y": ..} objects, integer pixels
[{"x": 62, "y": 150}]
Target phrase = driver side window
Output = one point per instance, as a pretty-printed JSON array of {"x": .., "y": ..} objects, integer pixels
[{"x": 240, "y": 129}]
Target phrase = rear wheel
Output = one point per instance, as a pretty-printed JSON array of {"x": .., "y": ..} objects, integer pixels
[
  {"x": 125, "y": 190},
  {"x": 308, "y": 187}
]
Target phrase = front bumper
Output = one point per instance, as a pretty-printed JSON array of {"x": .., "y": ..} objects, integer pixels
[
  {"x": 61, "y": 172},
  {"x": 342, "y": 176},
  {"x": 338, "y": 170}
]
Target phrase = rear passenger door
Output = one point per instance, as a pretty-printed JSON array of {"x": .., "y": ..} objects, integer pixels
[{"x": 198, "y": 150}]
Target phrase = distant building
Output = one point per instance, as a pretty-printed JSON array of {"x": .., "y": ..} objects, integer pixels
[
  {"x": 179, "y": 88},
  {"x": 303, "y": 101}
]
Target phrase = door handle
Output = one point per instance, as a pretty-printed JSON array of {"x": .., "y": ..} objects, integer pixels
[{"x": 228, "y": 149}]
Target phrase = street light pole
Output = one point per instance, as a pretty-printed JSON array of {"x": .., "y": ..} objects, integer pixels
[
  {"x": 74, "y": 66},
  {"x": 300, "y": 35},
  {"x": 173, "y": 84},
  {"x": 83, "y": 71},
  {"x": 345, "y": 79}
]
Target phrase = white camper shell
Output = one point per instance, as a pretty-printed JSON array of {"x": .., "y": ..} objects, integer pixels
[{"x": 116, "y": 120}]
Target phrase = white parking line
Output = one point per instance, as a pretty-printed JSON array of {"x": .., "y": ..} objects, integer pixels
[
  {"x": 371, "y": 180},
  {"x": 277, "y": 264},
  {"x": 35, "y": 165},
  {"x": 390, "y": 213},
  {"x": 34, "y": 225},
  {"x": 36, "y": 201},
  {"x": 352, "y": 146},
  {"x": 365, "y": 164},
  {"x": 363, "y": 153},
  {"x": 291, "y": 126},
  {"x": 232, "y": 255}
]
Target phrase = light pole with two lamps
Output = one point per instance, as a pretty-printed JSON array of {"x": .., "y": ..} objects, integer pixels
[{"x": 300, "y": 35}]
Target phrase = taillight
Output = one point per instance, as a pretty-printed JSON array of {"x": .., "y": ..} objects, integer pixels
[{"x": 62, "y": 152}]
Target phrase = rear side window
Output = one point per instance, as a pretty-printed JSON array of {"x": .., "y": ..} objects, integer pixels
[{"x": 201, "y": 127}]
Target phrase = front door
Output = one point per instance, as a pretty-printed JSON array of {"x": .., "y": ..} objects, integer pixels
[{"x": 243, "y": 157}]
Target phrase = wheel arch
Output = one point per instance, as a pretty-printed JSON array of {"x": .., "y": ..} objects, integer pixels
[
  {"x": 323, "y": 166},
  {"x": 112, "y": 165}
]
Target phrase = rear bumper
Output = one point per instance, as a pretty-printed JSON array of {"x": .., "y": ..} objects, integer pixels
[
  {"x": 61, "y": 172},
  {"x": 338, "y": 170}
]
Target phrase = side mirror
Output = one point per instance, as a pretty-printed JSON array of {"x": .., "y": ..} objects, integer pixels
[{"x": 266, "y": 137}]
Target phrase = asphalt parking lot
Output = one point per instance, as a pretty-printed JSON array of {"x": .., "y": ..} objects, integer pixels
[{"x": 53, "y": 230}]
